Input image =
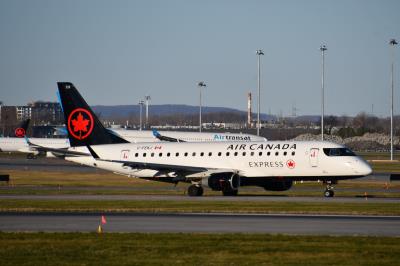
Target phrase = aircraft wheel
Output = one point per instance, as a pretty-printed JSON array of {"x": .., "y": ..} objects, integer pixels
[
  {"x": 329, "y": 193},
  {"x": 195, "y": 191},
  {"x": 30, "y": 156},
  {"x": 230, "y": 192}
]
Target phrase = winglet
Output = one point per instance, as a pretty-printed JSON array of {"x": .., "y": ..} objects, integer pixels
[
  {"x": 27, "y": 141},
  {"x": 156, "y": 133}
]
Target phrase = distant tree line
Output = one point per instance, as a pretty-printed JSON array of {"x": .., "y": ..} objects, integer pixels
[{"x": 278, "y": 128}]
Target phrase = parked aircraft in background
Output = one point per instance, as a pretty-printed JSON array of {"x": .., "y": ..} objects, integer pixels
[
  {"x": 33, "y": 148},
  {"x": 222, "y": 166},
  {"x": 20, "y": 130},
  {"x": 154, "y": 135}
]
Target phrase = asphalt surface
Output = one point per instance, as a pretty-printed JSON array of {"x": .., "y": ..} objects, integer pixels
[
  {"x": 44, "y": 164},
  {"x": 204, "y": 198},
  {"x": 204, "y": 223}
]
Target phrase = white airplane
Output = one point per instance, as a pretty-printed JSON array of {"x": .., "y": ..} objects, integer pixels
[{"x": 222, "y": 166}]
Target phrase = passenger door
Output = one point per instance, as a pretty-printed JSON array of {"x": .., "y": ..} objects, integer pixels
[
  {"x": 314, "y": 157},
  {"x": 124, "y": 155}
]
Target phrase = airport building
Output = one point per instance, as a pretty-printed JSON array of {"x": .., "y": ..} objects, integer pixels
[{"x": 40, "y": 113}]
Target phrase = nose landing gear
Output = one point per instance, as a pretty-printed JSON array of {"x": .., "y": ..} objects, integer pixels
[{"x": 329, "y": 190}]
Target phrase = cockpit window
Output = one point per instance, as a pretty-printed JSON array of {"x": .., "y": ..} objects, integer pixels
[{"x": 338, "y": 152}]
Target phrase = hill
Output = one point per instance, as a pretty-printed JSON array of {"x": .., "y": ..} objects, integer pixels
[{"x": 108, "y": 111}]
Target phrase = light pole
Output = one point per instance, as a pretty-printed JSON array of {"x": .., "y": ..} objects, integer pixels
[
  {"x": 147, "y": 98},
  {"x": 392, "y": 43},
  {"x": 140, "y": 114},
  {"x": 259, "y": 54},
  {"x": 1, "y": 120},
  {"x": 323, "y": 49},
  {"x": 201, "y": 84}
]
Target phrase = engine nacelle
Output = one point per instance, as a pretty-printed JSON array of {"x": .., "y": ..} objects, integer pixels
[
  {"x": 50, "y": 155},
  {"x": 278, "y": 185},
  {"x": 221, "y": 181}
]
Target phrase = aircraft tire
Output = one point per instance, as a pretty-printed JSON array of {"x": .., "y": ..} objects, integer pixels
[
  {"x": 230, "y": 192},
  {"x": 329, "y": 193},
  {"x": 30, "y": 156},
  {"x": 195, "y": 191}
]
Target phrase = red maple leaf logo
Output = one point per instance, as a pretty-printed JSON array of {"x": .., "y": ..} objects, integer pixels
[
  {"x": 290, "y": 164},
  {"x": 80, "y": 124},
  {"x": 20, "y": 132},
  {"x": 80, "y": 120}
]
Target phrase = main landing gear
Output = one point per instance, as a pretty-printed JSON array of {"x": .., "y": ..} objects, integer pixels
[
  {"x": 31, "y": 156},
  {"x": 230, "y": 192},
  {"x": 195, "y": 190},
  {"x": 329, "y": 190}
]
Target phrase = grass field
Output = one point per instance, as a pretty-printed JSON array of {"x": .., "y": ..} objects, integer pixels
[
  {"x": 194, "y": 249},
  {"x": 369, "y": 208},
  {"x": 378, "y": 155}
]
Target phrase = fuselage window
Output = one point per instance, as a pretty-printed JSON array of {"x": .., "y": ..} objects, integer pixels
[
  {"x": 260, "y": 153},
  {"x": 268, "y": 153},
  {"x": 210, "y": 154},
  {"x": 252, "y": 153},
  {"x": 136, "y": 154},
  {"x": 160, "y": 154},
  {"x": 235, "y": 153},
  {"x": 244, "y": 153},
  {"x": 193, "y": 154},
  {"x": 293, "y": 153},
  {"x": 152, "y": 154},
  {"x": 177, "y": 154},
  {"x": 168, "y": 154},
  {"x": 276, "y": 153},
  {"x": 219, "y": 153},
  {"x": 144, "y": 154},
  {"x": 227, "y": 154},
  {"x": 285, "y": 153},
  {"x": 201, "y": 153},
  {"x": 186, "y": 154}
]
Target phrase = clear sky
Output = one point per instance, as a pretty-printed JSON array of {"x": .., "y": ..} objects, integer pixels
[{"x": 116, "y": 52}]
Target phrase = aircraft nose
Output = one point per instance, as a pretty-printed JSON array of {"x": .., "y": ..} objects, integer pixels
[{"x": 366, "y": 169}]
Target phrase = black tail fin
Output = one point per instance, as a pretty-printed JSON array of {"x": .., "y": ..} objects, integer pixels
[
  {"x": 83, "y": 127},
  {"x": 21, "y": 129}
]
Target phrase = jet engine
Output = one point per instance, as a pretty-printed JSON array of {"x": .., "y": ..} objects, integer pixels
[
  {"x": 277, "y": 185},
  {"x": 223, "y": 181}
]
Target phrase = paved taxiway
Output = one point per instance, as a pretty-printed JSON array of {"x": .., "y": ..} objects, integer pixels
[
  {"x": 212, "y": 223},
  {"x": 204, "y": 198},
  {"x": 44, "y": 164}
]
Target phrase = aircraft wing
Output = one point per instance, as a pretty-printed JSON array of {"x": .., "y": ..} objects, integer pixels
[
  {"x": 160, "y": 167},
  {"x": 55, "y": 151}
]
